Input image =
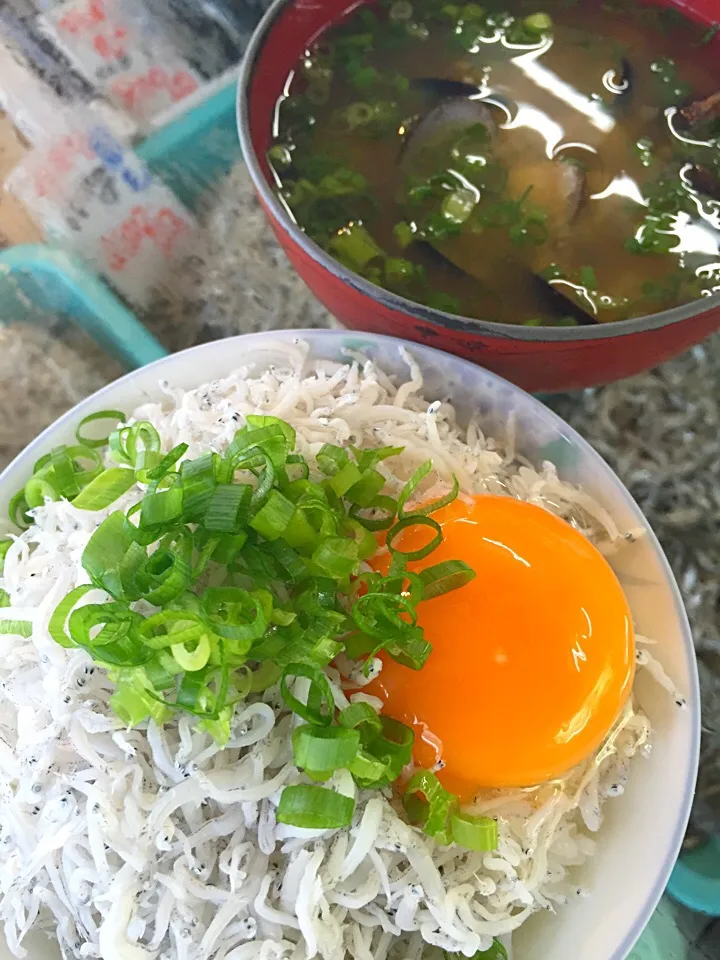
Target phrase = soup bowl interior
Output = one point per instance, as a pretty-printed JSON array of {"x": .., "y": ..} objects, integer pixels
[
  {"x": 540, "y": 359},
  {"x": 641, "y": 836}
]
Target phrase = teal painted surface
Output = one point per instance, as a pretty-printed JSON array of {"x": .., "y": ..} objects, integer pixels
[
  {"x": 197, "y": 149},
  {"x": 695, "y": 881},
  {"x": 36, "y": 279},
  {"x": 661, "y": 939}
]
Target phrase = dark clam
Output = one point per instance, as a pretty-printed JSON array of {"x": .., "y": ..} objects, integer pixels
[
  {"x": 442, "y": 89},
  {"x": 454, "y": 114},
  {"x": 559, "y": 187},
  {"x": 703, "y": 180},
  {"x": 561, "y": 304}
]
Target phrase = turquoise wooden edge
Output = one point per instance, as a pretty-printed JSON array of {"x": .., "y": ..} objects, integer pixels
[
  {"x": 695, "y": 881},
  {"x": 196, "y": 149},
  {"x": 58, "y": 282}
]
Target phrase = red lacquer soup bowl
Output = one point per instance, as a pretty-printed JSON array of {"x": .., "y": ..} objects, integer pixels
[{"x": 536, "y": 358}]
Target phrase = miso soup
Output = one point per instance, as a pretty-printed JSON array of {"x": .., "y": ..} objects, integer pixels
[{"x": 548, "y": 165}]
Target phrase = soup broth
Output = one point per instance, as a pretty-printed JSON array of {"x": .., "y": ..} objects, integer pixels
[{"x": 548, "y": 166}]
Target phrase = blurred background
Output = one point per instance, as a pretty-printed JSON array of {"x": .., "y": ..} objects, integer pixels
[{"x": 118, "y": 124}]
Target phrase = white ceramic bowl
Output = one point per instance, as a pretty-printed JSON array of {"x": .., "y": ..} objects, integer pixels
[{"x": 643, "y": 829}]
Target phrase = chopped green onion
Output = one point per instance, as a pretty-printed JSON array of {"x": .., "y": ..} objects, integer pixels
[
  {"x": 165, "y": 465},
  {"x": 414, "y": 521},
  {"x": 472, "y": 11},
  {"x": 133, "y": 703},
  {"x": 399, "y": 272},
  {"x": 588, "y": 278},
  {"x": 324, "y": 748},
  {"x": 538, "y": 22},
  {"x": 196, "y": 693},
  {"x": 279, "y": 157},
  {"x": 532, "y": 229},
  {"x": 360, "y": 716},
  {"x": 118, "y": 642},
  {"x": 60, "y": 469},
  {"x": 393, "y": 746},
  {"x": 364, "y": 540},
  {"x": 439, "y": 300},
  {"x": 290, "y": 561},
  {"x": 315, "y": 808},
  {"x": 404, "y": 234},
  {"x": 336, "y": 556},
  {"x": 57, "y": 628},
  {"x": 331, "y": 459},
  {"x": 17, "y": 510},
  {"x": 347, "y": 477},
  {"x": 409, "y": 649},
  {"x": 709, "y": 35},
  {"x": 385, "y": 505},
  {"x": 105, "y": 489},
  {"x": 228, "y": 507},
  {"x": 265, "y": 676},
  {"x": 342, "y": 183},
  {"x": 298, "y": 467},
  {"x": 369, "y": 772},
  {"x": 162, "y": 630},
  {"x": 136, "y": 446},
  {"x": 354, "y": 246},
  {"x": 380, "y": 615},
  {"x": 194, "y": 659},
  {"x": 16, "y": 628},
  {"x": 443, "y": 577},
  {"x": 233, "y": 613},
  {"x": 474, "y": 833},
  {"x": 198, "y": 486},
  {"x": 428, "y": 802},
  {"x": 366, "y": 489},
  {"x": 319, "y": 707},
  {"x": 426, "y": 508},
  {"x": 407, "y": 491},
  {"x": 450, "y": 11},
  {"x": 115, "y": 416},
  {"x": 274, "y": 436},
  {"x": 267, "y": 480},
  {"x": 105, "y": 552},
  {"x": 38, "y": 490},
  {"x": 401, "y": 11},
  {"x": 457, "y": 206},
  {"x": 162, "y": 576}
]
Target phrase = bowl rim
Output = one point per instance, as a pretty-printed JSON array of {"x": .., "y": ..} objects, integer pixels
[
  {"x": 11, "y": 476},
  {"x": 452, "y": 322}
]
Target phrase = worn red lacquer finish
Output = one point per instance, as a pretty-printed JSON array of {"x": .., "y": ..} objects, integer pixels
[{"x": 536, "y": 358}]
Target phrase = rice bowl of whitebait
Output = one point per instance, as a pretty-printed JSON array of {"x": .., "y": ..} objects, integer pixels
[{"x": 290, "y": 668}]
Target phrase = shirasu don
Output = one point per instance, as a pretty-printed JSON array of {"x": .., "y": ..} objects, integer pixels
[{"x": 155, "y": 844}]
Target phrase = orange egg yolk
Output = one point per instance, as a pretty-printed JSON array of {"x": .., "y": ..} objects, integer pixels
[{"x": 532, "y": 660}]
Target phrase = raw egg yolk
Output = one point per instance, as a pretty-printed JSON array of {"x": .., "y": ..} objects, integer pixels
[{"x": 532, "y": 660}]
